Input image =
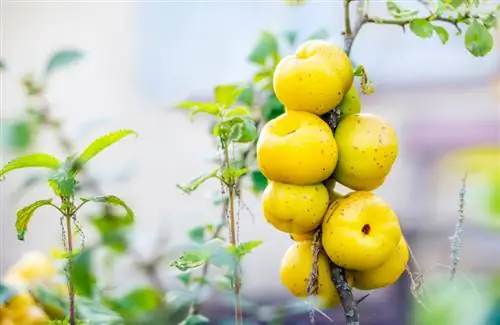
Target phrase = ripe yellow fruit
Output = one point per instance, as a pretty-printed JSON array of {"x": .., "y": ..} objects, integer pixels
[
  {"x": 297, "y": 148},
  {"x": 360, "y": 231},
  {"x": 302, "y": 237},
  {"x": 307, "y": 82},
  {"x": 368, "y": 147},
  {"x": 351, "y": 103},
  {"x": 295, "y": 270},
  {"x": 292, "y": 208},
  {"x": 22, "y": 309},
  {"x": 387, "y": 273},
  {"x": 335, "y": 56}
]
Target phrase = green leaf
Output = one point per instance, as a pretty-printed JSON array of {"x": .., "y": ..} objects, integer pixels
[
  {"x": 61, "y": 59},
  {"x": 478, "y": 39},
  {"x": 237, "y": 111},
  {"x": 112, "y": 200},
  {"x": 266, "y": 47},
  {"x": 192, "y": 259},
  {"x": 37, "y": 160},
  {"x": 358, "y": 72},
  {"x": 6, "y": 293},
  {"x": 2, "y": 65},
  {"x": 243, "y": 130},
  {"x": 245, "y": 248},
  {"x": 397, "y": 12},
  {"x": 82, "y": 276},
  {"x": 231, "y": 174},
  {"x": 19, "y": 134},
  {"x": 24, "y": 216},
  {"x": 272, "y": 108},
  {"x": 265, "y": 74},
  {"x": 227, "y": 94},
  {"x": 442, "y": 33},
  {"x": 52, "y": 303},
  {"x": 100, "y": 144},
  {"x": 422, "y": 28},
  {"x": 63, "y": 181},
  {"x": 95, "y": 312},
  {"x": 490, "y": 20},
  {"x": 196, "y": 320},
  {"x": 290, "y": 36},
  {"x": 456, "y": 3},
  {"x": 259, "y": 181},
  {"x": 321, "y": 34},
  {"x": 113, "y": 230},
  {"x": 199, "y": 107},
  {"x": 196, "y": 182},
  {"x": 197, "y": 234},
  {"x": 138, "y": 302},
  {"x": 246, "y": 96}
]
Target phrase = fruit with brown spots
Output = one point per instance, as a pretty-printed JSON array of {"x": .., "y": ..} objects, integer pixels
[
  {"x": 314, "y": 79},
  {"x": 360, "y": 231},
  {"x": 297, "y": 148},
  {"x": 387, "y": 273},
  {"x": 351, "y": 103},
  {"x": 335, "y": 56},
  {"x": 296, "y": 268},
  {"x": 294, "y": 209},
  {"x": 368, "y": 147}
]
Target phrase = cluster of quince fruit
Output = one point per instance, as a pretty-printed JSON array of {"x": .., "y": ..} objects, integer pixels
[{"x": 303, "y": 159}]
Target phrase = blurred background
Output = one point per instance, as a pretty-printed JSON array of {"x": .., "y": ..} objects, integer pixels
[{"x": 140, "y": 59}]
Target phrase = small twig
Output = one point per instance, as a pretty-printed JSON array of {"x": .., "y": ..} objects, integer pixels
[
  {"x": 346, "y": 298},
  {"x": 312, "y": 285},
  {"x": 456, "y": 239},
  {"x": 362, "y": 298}
]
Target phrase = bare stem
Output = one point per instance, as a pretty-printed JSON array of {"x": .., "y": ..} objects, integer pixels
[
  {"x": 456, "y": 239},
  {"x": 71, "y": 289},
  {"x": 238, "y": 315},
  {"x": 349, "y": 305}
]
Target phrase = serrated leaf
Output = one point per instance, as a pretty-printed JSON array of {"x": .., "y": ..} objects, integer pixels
[
  {"x": 36, "y": 160},
  {"x": 196, "y": 320},
  {"x": 397, "y": 12},
  {"x": 63, "y": 181},
  {"x": 259, "y": 181},
  {"x": 24, "y": 216},
  {"x": 320, "y": 34},
  {"x": 100, "y": 144},
  {"x": 61, "y": 59},
  {"x": 290, "y": 36},
  {"x": 478, "y": 40},
  {"x": 197, "y": 234},
  {"x": 245, "y": 248},
  {"x": 112, "y": 200},
  {"x": 422, "y": 28},
  {"x": 192, "y": 259},
  {"x": 442, "y": 34},
  {"x": 196, "y": 182},
  {"x": 266, "y": 47},
  {"x": 82, "y": 275},
  {"x": 243, "y": 130},
  {"x": 227, "y": 94}
]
